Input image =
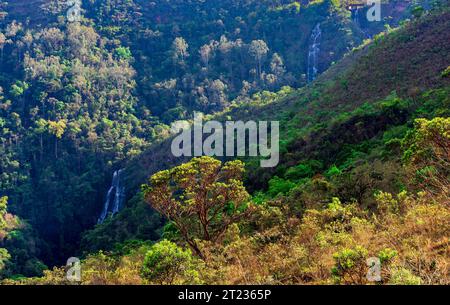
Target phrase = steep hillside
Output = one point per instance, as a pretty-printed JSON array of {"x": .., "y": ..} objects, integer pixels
[
  {"x": 81, "y": 100},
  {"x": 338, "y": 120},
  {"x": 219, "y": 42},
  {"x": 408, "y": 61},
  {"x": 363, "y": 177},
  {"x": 78, "y": 100}
]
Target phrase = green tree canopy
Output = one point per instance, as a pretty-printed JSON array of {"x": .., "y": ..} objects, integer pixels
[
  {"x": 201, "y": 197},
  {"x": 165, "y": 262}
]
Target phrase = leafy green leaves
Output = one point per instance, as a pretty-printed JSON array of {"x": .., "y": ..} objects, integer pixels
[{"x": 165, "y": 263}]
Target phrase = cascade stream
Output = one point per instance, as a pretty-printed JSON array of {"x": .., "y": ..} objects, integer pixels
[
  {"x": 114, "y": 197},
  {"x": 313, "y": 53}
]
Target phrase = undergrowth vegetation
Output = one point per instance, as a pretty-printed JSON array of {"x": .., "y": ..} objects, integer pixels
[{"x": 305, "y": 235}]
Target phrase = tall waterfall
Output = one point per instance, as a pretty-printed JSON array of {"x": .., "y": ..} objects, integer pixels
[
  {"x": 356, "y": 17},
  {"x": 313, "y": 53},
  {"x": 114, "y": 197}
]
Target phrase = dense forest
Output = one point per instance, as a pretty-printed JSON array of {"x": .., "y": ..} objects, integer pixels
[{"x": 86, "y": 108}]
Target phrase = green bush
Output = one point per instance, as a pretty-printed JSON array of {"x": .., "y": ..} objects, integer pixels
[
  {"x": 350, "y": 265},
  {"x": 386, "y": 255},
  {"x": 278, "y": 185},
  {"x": 166, "y": 263},
  {"x": 123, "y": 53},
  {"x": 333, "y": 171},
  {"x": 404, "y": 277},
  {"x": 304, "y": 170}
]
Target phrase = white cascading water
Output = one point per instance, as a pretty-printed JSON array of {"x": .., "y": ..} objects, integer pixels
[
  {"x": 115, "y": 195},
  {"x": 356, "y": 16},
  {"x": 313, "y": 53},
  {"x": 357, "y": 21}
]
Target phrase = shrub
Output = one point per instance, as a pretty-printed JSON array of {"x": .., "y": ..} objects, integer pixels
[
  {"x": 386, "y": 202},
  {"x": 404, "y": 277},
  {"x": 278, "y": 186},
  {"x": 350, "y": 265},
  {"x": 166, "y": 263},
  {"x": 333, "y": 171},
  {"x": 427, "y": 153},
  {"x": 123, "y": 53},
  {"x": 304, "y": 170},
  {"x": 386, "y": 255}
]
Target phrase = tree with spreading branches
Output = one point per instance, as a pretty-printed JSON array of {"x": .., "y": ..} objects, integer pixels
[{"x": 202, "y": 198}]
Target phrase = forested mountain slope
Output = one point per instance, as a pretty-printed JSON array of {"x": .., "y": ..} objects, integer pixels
[
  {"x": 79, "y": 101},
  {"x": 363, "y": 176},
  {"x": 201, "y": 55},
  {"x": 336, "y": 121}
]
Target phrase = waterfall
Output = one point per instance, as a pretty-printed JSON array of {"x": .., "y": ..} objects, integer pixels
[
  {"x": 356, "y": 19},
  {"x": 115, "y": 195},
  {"x": 356, "y": 16},
  {"x": 313, "y": 53}
]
